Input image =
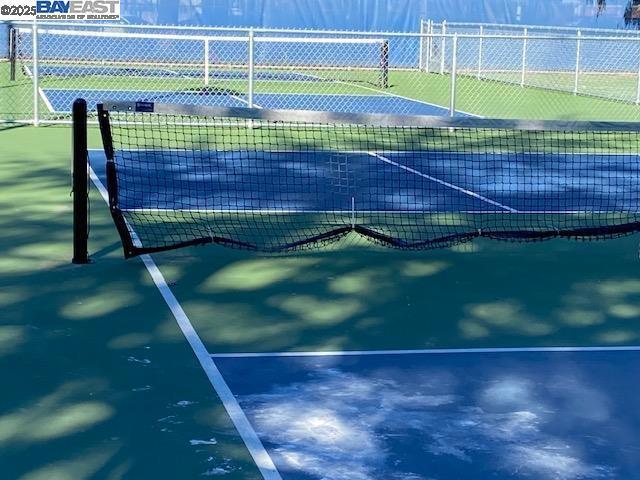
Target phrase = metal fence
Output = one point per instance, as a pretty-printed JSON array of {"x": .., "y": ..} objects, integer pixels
[
  {"x": 432, "y": 72},
  {"x": 471, "y": 28},
  {"x": 605, "y": 67}
]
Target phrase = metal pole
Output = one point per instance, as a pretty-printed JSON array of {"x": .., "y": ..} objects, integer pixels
[
  {"x": 524, "y": 58},
  {"x": 80, "y": 183},
  {"x": 454, "y": 68},
  {"x": 384, "y": 64},
  {"x": 443, "y": 46},
  {"x": 206, "y": 62},
  {"x": 576, "y": 79},
  {"x": 34, "y": 73},
  {"x": 12, "y": 53},
  {"x": 638, "y": 85},
  {"x": 480, "y": 46},
  {"x": 251, "y": 67},
  {"x": 421, "y": 47},
  {"x": 430, "y": 46}
]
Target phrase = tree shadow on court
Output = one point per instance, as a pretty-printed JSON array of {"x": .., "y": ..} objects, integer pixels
[
  {"x": 101, "y": 384},
  {"x": 92, "y": 389},
  {"x": 484, "y": 294}
]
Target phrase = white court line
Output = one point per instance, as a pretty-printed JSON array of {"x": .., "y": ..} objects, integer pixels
[
  {"x": 45, "y": 100},
  {"x": 247, "y": 433},
  {"x": 446, "y": 184},
  {"x": 430, "y": 351},
  {"x": 27, "y": 70},
  {"x": 41, "y": 92}
]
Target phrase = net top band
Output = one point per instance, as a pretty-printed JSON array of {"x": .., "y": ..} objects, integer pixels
[{"x": 380, "y": 120}]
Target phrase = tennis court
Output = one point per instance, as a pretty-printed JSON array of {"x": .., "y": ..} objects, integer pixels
[
  {"x": 309, "y": 350},
  {"x": 472, "y": 411},
  {"x": 417, "y": 384},
  {"x": 382, "y": 412}
]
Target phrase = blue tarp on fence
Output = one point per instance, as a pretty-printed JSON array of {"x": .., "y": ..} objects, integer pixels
[{"x": 390, "y": 15}]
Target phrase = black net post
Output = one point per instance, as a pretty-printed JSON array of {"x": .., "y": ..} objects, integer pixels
[
  {"x": 12, "y": 52},
  {"x": 384, "y": 64},
  {"x": 80, "y": 184}
]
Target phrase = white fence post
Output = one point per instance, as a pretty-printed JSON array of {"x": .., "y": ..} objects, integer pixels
[
  {"x": 524, "y": 57},
  {"x": 251, "y": 67},
  {"x": 576, "y": 80},
  {"x": 430, "y": 46},
  {"x": 480, "y": 46},
  {"x": 35, "y": 75},
  {"x": 454, "y": 70},
  {"x": 421, "y": 48},
  {"x": 443, "y": 46},
  {"x": 206, "y": 62},
  {"x": 638, "y": 84}
]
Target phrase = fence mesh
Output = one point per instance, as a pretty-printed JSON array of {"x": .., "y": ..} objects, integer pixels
[{"x": 445, "y": 70}]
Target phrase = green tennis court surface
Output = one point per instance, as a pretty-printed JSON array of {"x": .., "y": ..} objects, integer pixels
[
  {"x": 105, "y": 379},
  {"x": 407, "y": 92}
]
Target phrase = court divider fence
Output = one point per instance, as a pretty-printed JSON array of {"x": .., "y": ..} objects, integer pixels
[{"x": 440, "y": 70}]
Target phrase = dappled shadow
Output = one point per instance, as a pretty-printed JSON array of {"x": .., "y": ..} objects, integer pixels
[
  {"x": 93, "y": 390},
  {"x": 103, "y": 384},
  {"x": 484, "y": 294}
]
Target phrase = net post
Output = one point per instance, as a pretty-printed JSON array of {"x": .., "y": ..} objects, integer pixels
[
  {"x": 524, "y": 56},
  {"x": 12, "y": 52},
  {"x": 251, "y": 68},
  {"x": 35, "y": 75},
  {"x": 480, "y": 52},
  {"x": 576, "y": 78},
  {"x": 384, "y": 64},
  {"x": 206, "y": 62},
  {"x": 454, "y": 69},
  {"x": 443, "y": 46},
  {"x": 80, "y": 183}
]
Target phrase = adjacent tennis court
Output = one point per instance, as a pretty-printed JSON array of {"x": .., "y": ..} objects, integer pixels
[{"x": 60, "y": 101}]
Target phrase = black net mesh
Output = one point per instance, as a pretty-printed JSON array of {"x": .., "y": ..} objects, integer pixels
[{"x": 278, "y": 185}]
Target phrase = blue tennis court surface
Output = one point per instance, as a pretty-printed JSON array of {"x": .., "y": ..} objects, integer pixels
[
  {"x": 427, "y": 416},
  {"x": 386, "y": 181},
  {"x": 60, "y": 100},
  {"x": 87, "y": 70},
  {"x": 568, "y": 414}
]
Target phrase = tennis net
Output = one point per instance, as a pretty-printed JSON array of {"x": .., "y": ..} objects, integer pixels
[{"x": 273, "y": 181}]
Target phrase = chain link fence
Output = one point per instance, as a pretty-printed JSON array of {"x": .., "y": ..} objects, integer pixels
[
  {"x": 471, "y": 28},
  {"x": 434, "y": 72}
]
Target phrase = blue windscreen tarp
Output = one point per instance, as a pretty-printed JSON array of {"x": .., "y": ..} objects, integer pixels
[{"x": 381, "y": 15}]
